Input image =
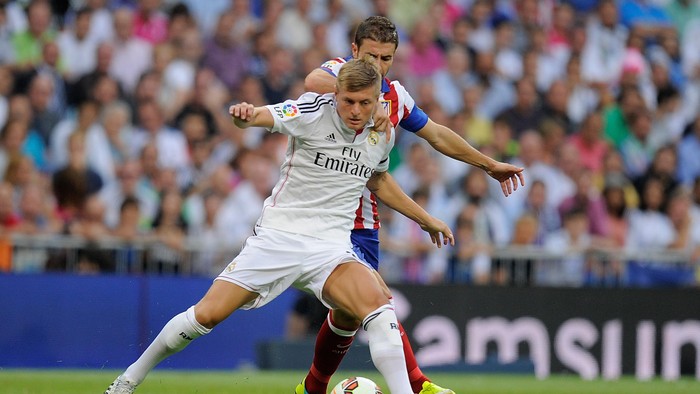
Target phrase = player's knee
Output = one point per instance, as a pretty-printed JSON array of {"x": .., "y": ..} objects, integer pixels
[
  {"x": 207, "y": 316},
  {"x": 344, "y": 319}
]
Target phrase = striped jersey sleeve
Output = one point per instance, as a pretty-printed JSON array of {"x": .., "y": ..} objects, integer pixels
[
  {"x": 290, "y": 115},
  {"x": 403, "y": 109},
  {"x": 333, "y": 66}
]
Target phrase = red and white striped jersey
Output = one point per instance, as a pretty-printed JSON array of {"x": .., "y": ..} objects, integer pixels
[{"x": 402, "y": 111}]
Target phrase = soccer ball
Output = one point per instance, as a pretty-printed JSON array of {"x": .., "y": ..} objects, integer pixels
[{"x": 356, "y": 385}]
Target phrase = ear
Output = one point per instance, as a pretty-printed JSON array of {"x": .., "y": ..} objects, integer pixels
[
  {"x": 355, "y": 50},
  {"x": 335, "y": 89}
]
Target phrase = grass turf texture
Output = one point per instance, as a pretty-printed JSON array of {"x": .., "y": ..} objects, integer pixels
[{"x": 252, "y": 382}]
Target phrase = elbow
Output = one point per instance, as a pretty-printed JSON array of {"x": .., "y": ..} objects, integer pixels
[{"x": 311, "y": 83}]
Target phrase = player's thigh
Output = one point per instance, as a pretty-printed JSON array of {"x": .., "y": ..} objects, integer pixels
[
  {"x": 353, "y": 287},
  {"x": 382, "y": 284},
  {"x": 222, "y": 299}
]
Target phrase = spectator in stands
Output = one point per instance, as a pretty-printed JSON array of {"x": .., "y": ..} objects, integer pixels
[
  {"x": 132, "y": 55},
  {"x": 225, "y": 54},
  {"x": 129, "y": 228},
  {"x": 649, "y": 227},
  {"x": 587, "y": 198},
  {"x": 450, "y": 81},
  {"x": 36, "y": 215},
  {"x": 21, "y": 173},
  {"x": 28, "y": 44},
  {"x": 518, "y": 271},
  {"x": 90, "y": 222},
  {"x": 83, "y": 88},
  {"x": 477, "y": 129},
  {"x": 480, "y": 36},
  {"x": 582, "y": 98},
  {"x": 179, "y": 74},
  {"x": 616, "y": 117},
  {"x": 421, "y": 262},
  {"x": 663, "y": 168},
  {"x": 170, "y": 144},
  {"x": 572, "y": 241},
  {"x": 589, "y": 142},
  {"x": 115, "y": 121},
  {"x": 208, "y": 99},
  {"x": 548, "y": 217},
  {"x": 41, "y": 89},
  {"x": 635, "y": 148},
  {"x": 77, "y": 47},
  {"x": 279, "y": 75},
  {"x": 213, "y": 246},
  {"x": 150, "y": 24},
  {"x": 17, "y": 141},
  {"x": 170, "y": 230},
  {"x": 425, "y": 56},
  {"x": 75, "y": 182},
  {"x": 669, "y": 120},
  {"x": 101, "y": 23},
  {"x": 508, "y": 60},
  {"x": 526, "y": 113},
  {"x": 498, "y": 93},
  {"x": 685, "y": 225},
  {"x": 470, "y": 260},
  {"x": 605, "y": 42},
  {"x": 490, "y": 221},
  {"x": 85, "y": 124},
  {"x": 294, "y": 28},
  {"x": 131, "y": 184},
  {"x": 556, "y": 105}
]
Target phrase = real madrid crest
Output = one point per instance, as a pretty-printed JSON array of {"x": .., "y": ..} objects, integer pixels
[
  {"x": 230, "y": 267},
  {"x": 373, "y": 137}
]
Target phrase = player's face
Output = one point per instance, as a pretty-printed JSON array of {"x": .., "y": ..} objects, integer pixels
[
  {"x": 381, "y": 52},
  {"x": 356, "y": 108}
]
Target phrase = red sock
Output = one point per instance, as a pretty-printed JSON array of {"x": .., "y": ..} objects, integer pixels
[
  {"x": 330, "y": 349},
  {"x": 415, "y": 375}
]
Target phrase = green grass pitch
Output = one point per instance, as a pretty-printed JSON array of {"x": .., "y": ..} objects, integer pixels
[{"x": 14, "y": 381}]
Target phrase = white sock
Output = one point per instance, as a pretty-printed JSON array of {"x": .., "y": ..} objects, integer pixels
[
  {"x": 386, "y": 348},
  {"x": 175, "y": 336}
]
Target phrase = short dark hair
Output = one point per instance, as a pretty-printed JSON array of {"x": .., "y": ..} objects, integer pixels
[{"x": 377, "y": 28}]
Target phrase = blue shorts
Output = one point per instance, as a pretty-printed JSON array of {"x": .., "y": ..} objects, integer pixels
[{"x": 366, "y": 244}]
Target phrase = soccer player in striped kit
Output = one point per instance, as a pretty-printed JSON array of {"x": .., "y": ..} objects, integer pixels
[{"x": 376, "y": 38}]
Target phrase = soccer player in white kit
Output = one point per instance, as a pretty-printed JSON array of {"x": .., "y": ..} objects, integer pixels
[{"x": 302, "y": 237}]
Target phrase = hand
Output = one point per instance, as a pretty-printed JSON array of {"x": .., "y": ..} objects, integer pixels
[
  {"x": 508, "y": 175},
  {"x": 382, "y": 123},
  {"x": 242, "y": 112},
  {"x": 440, "y": 233}
]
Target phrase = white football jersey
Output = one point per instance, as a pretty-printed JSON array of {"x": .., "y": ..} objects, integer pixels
[{"x": 326, "y": 168}]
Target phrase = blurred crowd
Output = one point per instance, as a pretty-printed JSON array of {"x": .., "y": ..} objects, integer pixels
[{"x": 114, "y": 124}]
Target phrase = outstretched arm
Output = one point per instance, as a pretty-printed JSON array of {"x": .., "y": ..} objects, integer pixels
[
  {"x": 246, "y": 115},
  {"x": 449, "y": 143},
  {"x": 389, "y": 192}
]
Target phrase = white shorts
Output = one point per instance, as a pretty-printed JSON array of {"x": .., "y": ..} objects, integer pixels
[{"x": 273, "y": 260}]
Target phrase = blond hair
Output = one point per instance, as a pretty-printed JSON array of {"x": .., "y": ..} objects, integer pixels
[{"x": 359, "y": 74}]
